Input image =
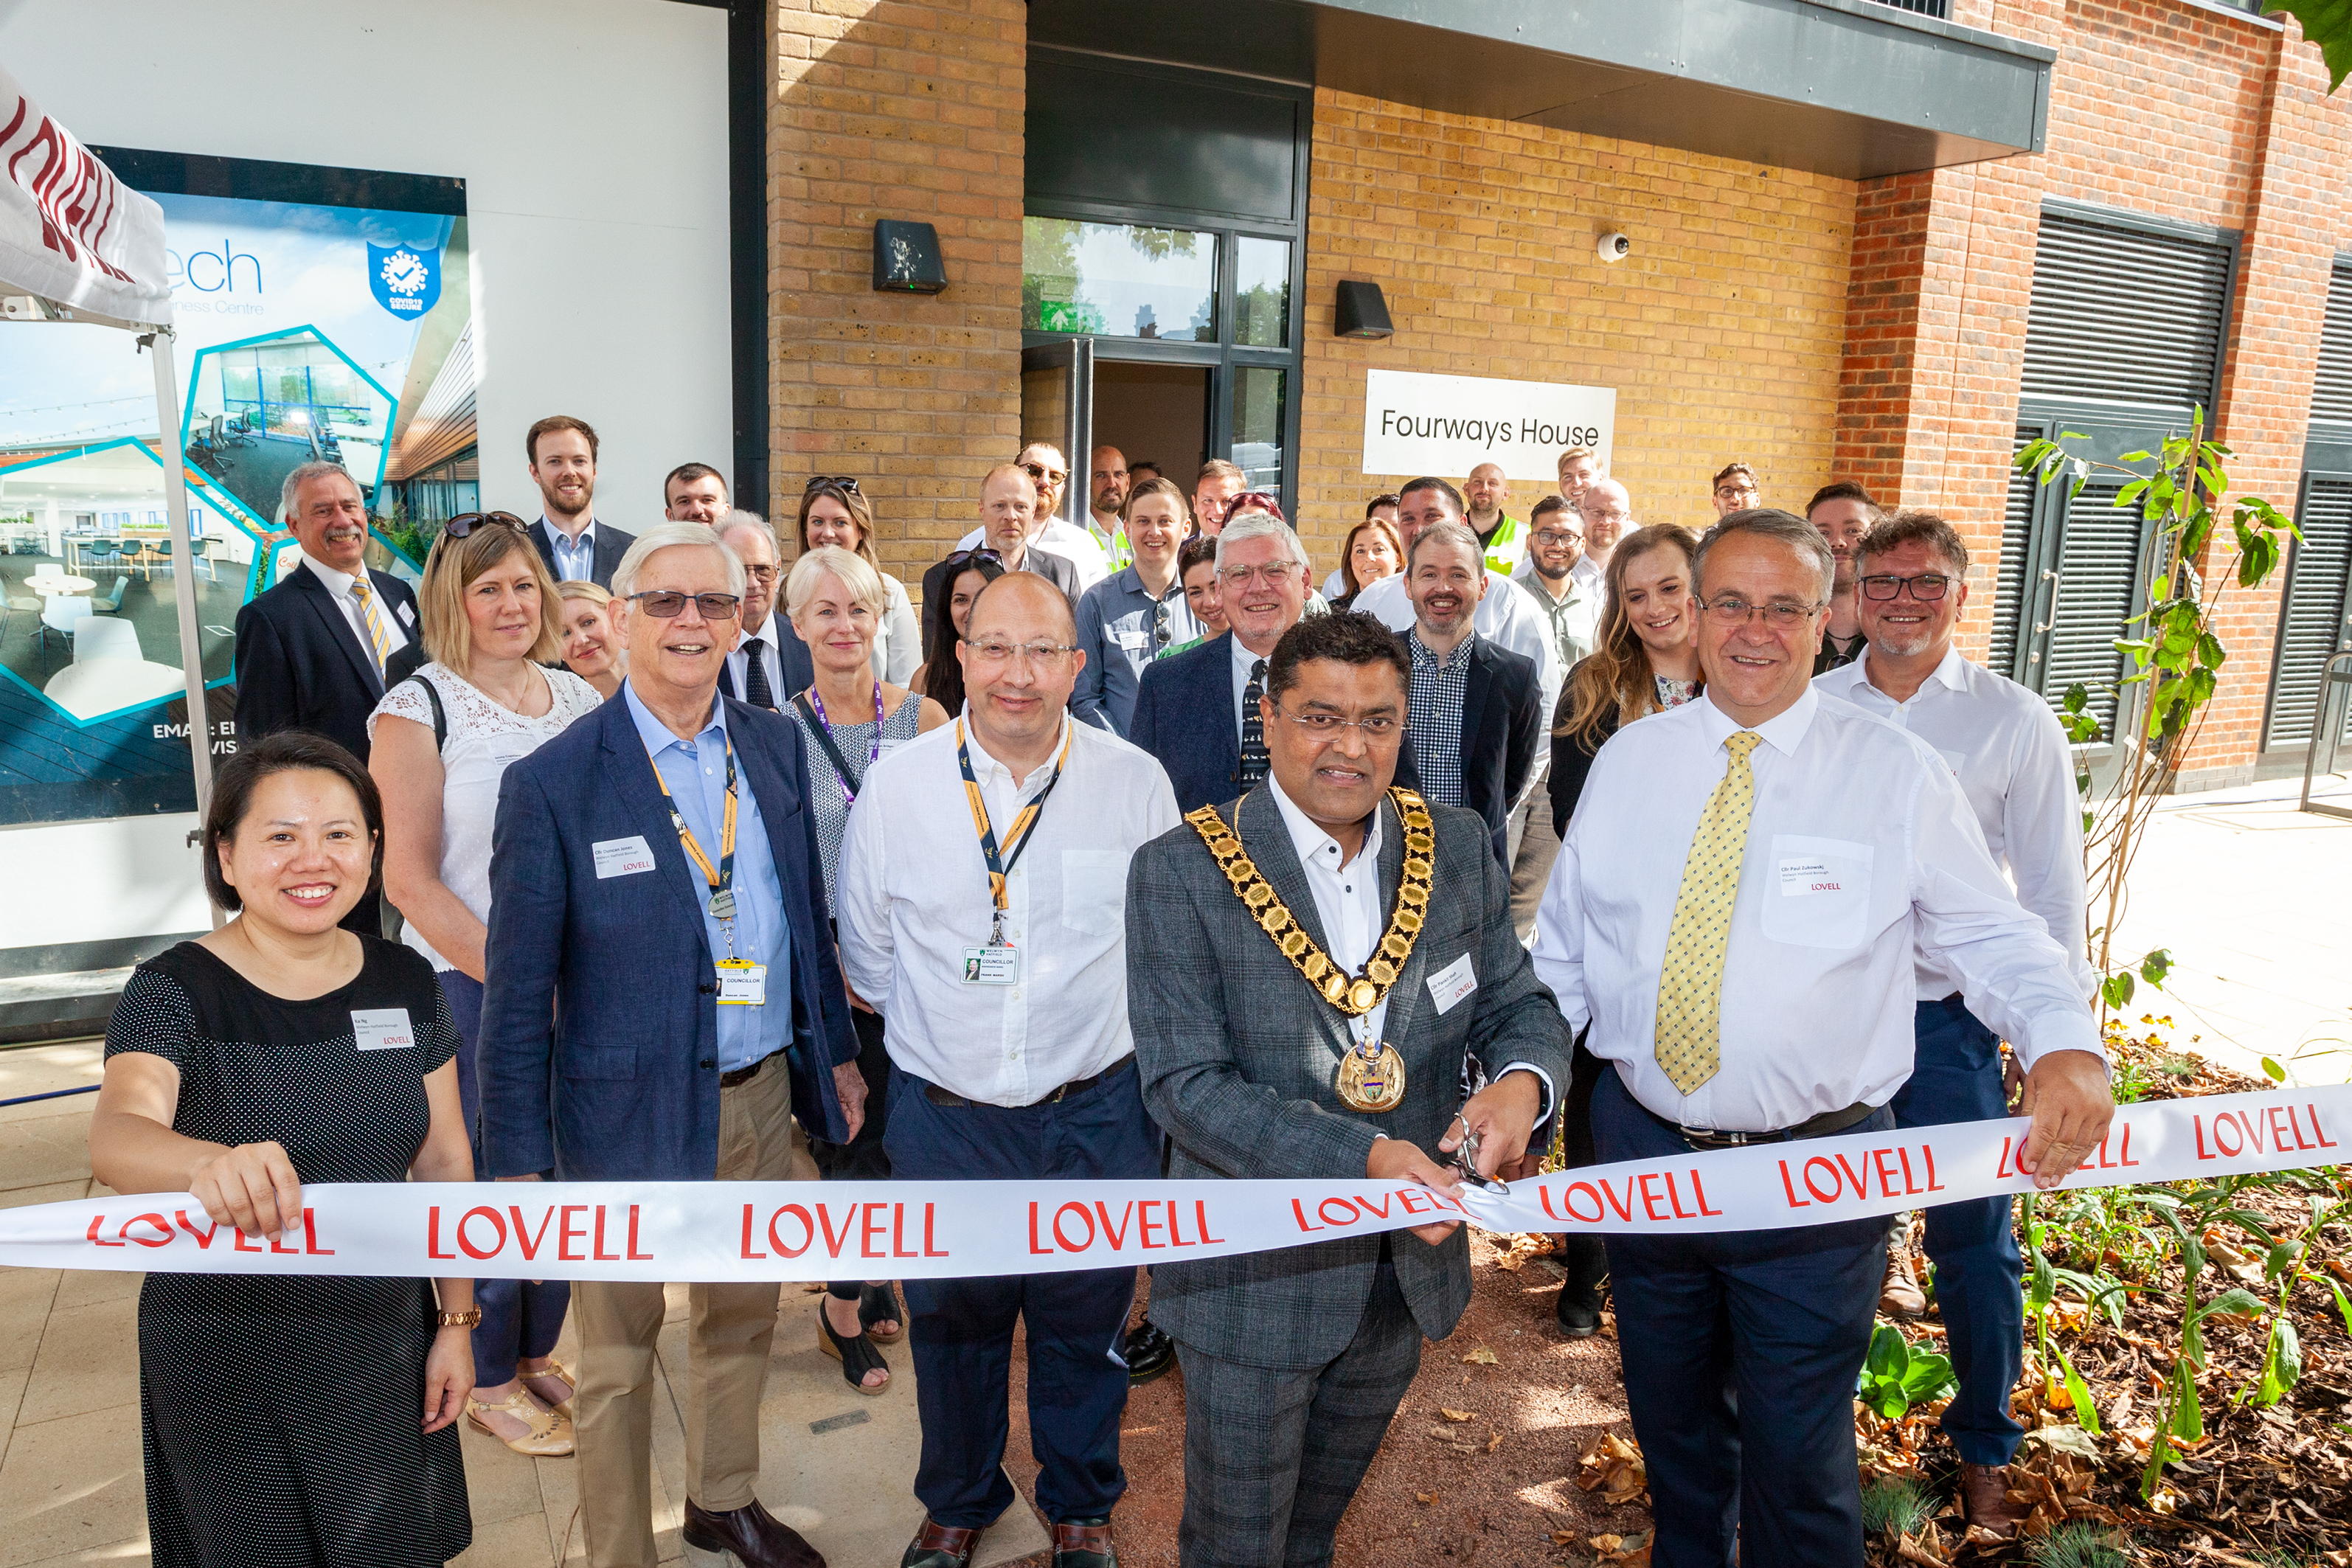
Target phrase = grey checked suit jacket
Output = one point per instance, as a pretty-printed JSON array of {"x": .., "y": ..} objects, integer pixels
[{"x": 1238, "y": 1055}]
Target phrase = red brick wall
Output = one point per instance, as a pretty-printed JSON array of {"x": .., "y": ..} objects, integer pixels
[
  {"x": 906, "y": 109},
  {"x": 2156, "y": 107}
]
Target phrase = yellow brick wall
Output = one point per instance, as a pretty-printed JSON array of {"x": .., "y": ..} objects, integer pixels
[
  {"x": 895, "y": 108},
  {"x": 1721, "y": 332}
]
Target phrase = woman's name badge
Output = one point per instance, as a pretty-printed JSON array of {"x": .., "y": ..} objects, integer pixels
[
  {"x": 992, "y": 966},
  {"x": 743, "y": 983},
  {"x": 382, "y": 1028}
]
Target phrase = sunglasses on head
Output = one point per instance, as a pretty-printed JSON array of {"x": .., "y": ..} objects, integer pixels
[
  {"x": 466, "y": 522},
  {"x": 1255, "y": 500},
  {"x": 980, "y": 555},
  {"x": 837, "y": 481}
]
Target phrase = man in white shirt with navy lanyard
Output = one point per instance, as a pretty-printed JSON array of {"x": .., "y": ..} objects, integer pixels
[
  {"x": 983, "y": 887},
  {"x": 1735, "y": 916},
  {"x": 2004, "y": 745}
]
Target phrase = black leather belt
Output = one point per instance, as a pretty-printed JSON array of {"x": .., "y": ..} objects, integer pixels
[
  {"x": 1821, "y": 1126},
  {"x": 952, "y": 1100},
  {"x": 745, "y": 1075}
]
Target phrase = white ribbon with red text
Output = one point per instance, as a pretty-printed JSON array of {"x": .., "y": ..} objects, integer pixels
[{"x": 801, "y": 1230}]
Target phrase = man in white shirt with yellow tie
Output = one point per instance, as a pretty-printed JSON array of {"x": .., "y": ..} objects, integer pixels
[
  {"x": 983, "y": 896},
  {"x": 2004, "y": 745},
  {"x": 1737, "y": 915}
]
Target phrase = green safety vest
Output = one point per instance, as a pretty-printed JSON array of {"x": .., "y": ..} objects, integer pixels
[
  {"x": 1507, "y": 548},
  {"x": 1120, "y": 554}
]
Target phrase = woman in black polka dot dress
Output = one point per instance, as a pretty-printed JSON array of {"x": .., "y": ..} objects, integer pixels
[{"x": 299, "y": 1422}]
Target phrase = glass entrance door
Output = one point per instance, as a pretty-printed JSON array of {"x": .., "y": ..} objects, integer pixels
[{"x": 1058, "y": 402}]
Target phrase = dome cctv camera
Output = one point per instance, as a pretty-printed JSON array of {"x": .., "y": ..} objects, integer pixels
[{"x": 1614, "y": 247}]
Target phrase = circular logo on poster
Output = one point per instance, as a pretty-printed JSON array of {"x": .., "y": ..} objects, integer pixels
[{"x": 405, "y": 273}]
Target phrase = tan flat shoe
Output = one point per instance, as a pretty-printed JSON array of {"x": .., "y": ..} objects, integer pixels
[
  {"x": 549, "y": 1434},
  {"x": 561, "y": 1374}
]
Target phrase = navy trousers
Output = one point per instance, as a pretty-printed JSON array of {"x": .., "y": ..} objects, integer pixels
[
  {"x": 520, "y": 1318},
  {"x": 1741, "y": 1352},
  {"x": 1978, "y": 1276},
  {"x": 961, "y": 1331}
]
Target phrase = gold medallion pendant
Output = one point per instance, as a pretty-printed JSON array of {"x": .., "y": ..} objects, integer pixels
[{"x": 1372, "y": 1077}]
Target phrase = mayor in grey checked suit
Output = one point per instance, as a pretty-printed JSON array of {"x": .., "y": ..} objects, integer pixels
[{"x": 1294, "y": 1360}]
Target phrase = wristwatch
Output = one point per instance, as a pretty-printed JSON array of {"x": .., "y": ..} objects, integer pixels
[{"x": 471, "y": 1318}]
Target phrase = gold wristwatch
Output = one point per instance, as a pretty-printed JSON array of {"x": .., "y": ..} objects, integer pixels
[{"x": 471, "y": 1318}]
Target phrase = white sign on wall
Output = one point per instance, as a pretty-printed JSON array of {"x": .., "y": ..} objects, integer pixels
[{"x": 1448, "y": 425}]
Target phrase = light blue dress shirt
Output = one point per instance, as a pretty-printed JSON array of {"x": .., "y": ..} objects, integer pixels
[
  {"x": 576, "y": 561},
  {"x": 1118, "y": 627},
  {"x": 696, "y": 772}
]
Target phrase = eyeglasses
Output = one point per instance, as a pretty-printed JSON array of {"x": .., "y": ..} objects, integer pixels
[
  {"x": 464, "y": 524},
  {"x": 760, "y": 573},
  {"x": 1730, "y": 493},
  {"x": 1044, "y": 475},
  {"x": 993, "y": 652},
  {"x": 1327, "y": 726},
  {"x": 664, "y": 604},
  {"x": 1928, "y": 587},
  {"x": 1273, "y": 576},
  {"x": 834, "y": 481},
  {"x": 1558, "y": 537},
  {"x": 1731, "y": 612}
]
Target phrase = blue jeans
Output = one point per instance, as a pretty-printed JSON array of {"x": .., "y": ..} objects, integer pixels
[
  {"x": 961, "y": 1331},
  {"x": 1741, "y": 1351},
  {"x": 520, "y": 1318},
  {"x": 1973, "y": 1245}
]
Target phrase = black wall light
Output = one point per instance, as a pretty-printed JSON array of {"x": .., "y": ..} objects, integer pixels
[
  {"x": 907, "y": 257},
  {"x": 1362, "y": 312}
]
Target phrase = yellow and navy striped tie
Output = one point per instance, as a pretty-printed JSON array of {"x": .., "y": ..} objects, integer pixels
[
  {"x": 1690, "y": 983},
  {"x": 365, "y": 595}
]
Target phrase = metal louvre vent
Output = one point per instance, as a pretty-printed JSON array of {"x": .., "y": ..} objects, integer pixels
[
  {"x": 2008, "y": 573},
  {"x": 2098, "y": 565},
  {"x": 2122, "y": 315},
  {"x": 2331, "y": 387},
  {"x": 2313, "y": 623}
]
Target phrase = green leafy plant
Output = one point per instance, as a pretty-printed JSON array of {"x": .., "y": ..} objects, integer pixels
[
  {"x": 2174, "y": 659},
  {"x": 1898, "y": 1374},
  {"x": 2328, "y": 23}
]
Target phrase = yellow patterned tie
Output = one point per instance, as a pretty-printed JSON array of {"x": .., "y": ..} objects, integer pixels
[
  {"x": 1690, "y": 983},
  {"x": 366, "y": 596}
]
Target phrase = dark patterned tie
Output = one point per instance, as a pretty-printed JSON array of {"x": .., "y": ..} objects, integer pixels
[
  {"x": 755, "y": 676},
  {"x": 1253, "y": 729}
]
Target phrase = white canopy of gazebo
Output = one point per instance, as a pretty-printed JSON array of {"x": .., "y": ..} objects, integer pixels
[{"x": 76, "y": 245}]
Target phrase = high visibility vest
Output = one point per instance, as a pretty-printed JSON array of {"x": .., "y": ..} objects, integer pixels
[{"x": 1508, "y": 547}]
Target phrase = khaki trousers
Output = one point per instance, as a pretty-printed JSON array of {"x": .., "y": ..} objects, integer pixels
[{"x": 728, "y": 1335}]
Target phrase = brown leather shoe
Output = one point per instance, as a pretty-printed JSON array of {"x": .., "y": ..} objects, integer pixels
[
  {"x": 940, "y": 1545},
  {"x": 1084, "y": 1543},
  {"x": 1984, "y": 1499},
  {"x": 749, "y": 1535},
  {"x": 1899, "y": 1295}
]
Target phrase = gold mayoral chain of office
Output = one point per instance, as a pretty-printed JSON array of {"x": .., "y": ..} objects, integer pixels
[{"x": 1372, "y": 1075}]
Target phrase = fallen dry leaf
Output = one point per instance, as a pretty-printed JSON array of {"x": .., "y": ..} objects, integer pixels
[
  {"x": 1454, "y": 1415},
  {"x": 1424, "y": 1499},
  {"x": 1494, "y": 1442},
  {"x": 1482, "y": 1356}
]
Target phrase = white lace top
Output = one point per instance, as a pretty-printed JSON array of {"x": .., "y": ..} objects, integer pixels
[{"x": 484, "y": 737}]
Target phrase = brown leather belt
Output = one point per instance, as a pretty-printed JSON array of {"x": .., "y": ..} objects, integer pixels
[
  {"x": 952, "y": 1100},
  {"x": 745, "y": 1075},
  {"x": 1821, "y": 1126}
]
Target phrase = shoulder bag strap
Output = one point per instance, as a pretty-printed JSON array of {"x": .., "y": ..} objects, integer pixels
[{"x": 816, "y": 727}]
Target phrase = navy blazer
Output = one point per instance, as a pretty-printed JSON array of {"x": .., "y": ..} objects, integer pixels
[
  {"x": 625, "y": 1086},
  {"x": 610, "y": 541},
  {"x": 1502, "y": 724},
  {"x": 1186, "y": 717},
  {"x": 793, "y": 658},
  {"x": 300, "y": 665}
]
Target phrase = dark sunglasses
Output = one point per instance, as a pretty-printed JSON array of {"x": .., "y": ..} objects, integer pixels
[
  {"x": 1043, "y": 474},
  {"x": 837, "y": 481},
  {"x": 977, "y": 557},
  {"x": 667, "y": 604},
  {"x": 466, "y": 522}
]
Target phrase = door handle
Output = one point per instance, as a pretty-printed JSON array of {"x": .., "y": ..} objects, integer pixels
[{"x": 2052, "y": 578}]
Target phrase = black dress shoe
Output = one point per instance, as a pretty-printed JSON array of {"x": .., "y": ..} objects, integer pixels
[
  {"x": 1150, "y": 1352},
  {"x": 940, "y": 1545},
  {"x": 1585, "y": 1263},
  {"x": 1084, "y": 1543},
  {"x": 749, "y": 1535}
]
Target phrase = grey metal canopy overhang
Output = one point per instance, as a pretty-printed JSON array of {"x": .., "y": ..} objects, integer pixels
[{"x": 1851, "y": 89}]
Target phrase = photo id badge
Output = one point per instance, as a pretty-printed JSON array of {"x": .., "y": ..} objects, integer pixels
[
  {"x": 743, "y": 983},
  {"x": 992, "y": 966}
]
